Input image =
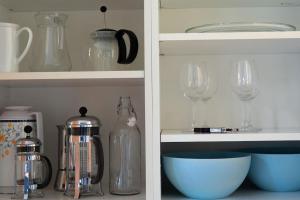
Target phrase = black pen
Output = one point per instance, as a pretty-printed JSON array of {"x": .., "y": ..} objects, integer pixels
[{"x": 215, "y": 130}]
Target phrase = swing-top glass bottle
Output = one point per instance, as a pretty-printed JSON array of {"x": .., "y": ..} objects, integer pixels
[{"x": 125, "y": 151}]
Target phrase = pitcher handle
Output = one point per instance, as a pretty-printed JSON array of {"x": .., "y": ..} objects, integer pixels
[
  {"x": 99, "y": 160},
  {"x": 30, "y": 36},
  {"x": 39, "y": 127},
  {"x": 48, "y": 177},
  {"x": 133, "y": 49}
]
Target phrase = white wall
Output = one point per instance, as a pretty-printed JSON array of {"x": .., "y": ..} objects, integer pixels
[
  {"x": 4, "y": 14},
  {"x": 276, "y": 106},
  {"x": 186, "y": 18}
]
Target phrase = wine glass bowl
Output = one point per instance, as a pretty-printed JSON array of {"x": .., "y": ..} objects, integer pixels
[
  {"x": 245, "y": 80},
  {"x": 210, "y": 88},
  {"x": 192, "y": 81}
]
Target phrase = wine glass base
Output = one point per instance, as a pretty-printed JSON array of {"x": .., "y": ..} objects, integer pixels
[{"x": 250, "y": 129}]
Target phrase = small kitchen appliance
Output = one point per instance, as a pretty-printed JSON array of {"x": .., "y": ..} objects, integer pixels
[
  {"x": 12, "y": 123},
  {"x": 33, "y": 171},
  {"x": 85, "y": 162},
  {"x": 60, "y": 181},
  {"x": 107, "y": 49}
]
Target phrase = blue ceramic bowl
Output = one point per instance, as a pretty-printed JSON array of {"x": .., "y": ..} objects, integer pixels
[
  {"x": 276, "y": 170},
  {"x": 206, "y": 175}
]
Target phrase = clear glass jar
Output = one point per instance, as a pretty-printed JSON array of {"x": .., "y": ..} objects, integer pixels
[
  {"x": 50, "y": 45},
  {"x": 125, "y": 151}
]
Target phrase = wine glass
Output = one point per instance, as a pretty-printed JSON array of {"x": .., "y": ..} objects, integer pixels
[
  {"x": 245, "y": 86},
  {"x": 192, "y": 80},
  {"x": 210, "y": 88}
]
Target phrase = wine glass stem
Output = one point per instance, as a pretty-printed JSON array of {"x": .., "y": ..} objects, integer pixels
[
  {"x": 194, "y": 114},
  {"x": 204, "y": 114},
  {"x": 247, "y": 115}
]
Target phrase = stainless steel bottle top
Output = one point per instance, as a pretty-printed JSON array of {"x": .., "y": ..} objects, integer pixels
[{"x": 83, "y": 121}]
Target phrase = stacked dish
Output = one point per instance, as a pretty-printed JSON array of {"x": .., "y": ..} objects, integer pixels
[
  {"x": 206, "y": 175},
  {"x": 276, "y": 170},
  {"x": 214, "y": 175},
  {"x": 241, "y": 27}
]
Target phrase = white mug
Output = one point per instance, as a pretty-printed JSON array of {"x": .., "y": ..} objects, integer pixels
[{"x": 9, "y": 46}]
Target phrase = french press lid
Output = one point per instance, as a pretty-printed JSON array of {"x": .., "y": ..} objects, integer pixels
[
  {"x": 83, "y": 121},
  {"x": 28, "y": 144}
]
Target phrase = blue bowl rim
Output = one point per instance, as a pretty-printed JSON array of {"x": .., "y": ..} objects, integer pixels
[{"x": 215, "y": 155}]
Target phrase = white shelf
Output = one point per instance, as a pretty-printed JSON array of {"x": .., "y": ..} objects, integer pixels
[
  {"x": 63, "y": 5},
  {"x": 51, "y": 195},
  {"x": 226, "y": 3},
  {"x": 247, "y": 194},
  {"x": 189, "y": 136},
  {"x": 80, "y": 78},
  {"x": 229, "y": 43}
]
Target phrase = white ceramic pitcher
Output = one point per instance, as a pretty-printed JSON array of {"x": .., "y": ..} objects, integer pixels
[
  {"x": 9, "y": 46},
  {"x": 12, "y": 123}
]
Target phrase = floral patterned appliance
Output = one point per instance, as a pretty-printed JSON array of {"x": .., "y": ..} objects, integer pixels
[{"x": 12, "y": 123}]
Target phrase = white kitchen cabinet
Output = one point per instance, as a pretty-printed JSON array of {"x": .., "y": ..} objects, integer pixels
[
  {"x": 152, "y": 80},
  {"x": 58, "y": 95},
  {"x": 276, "y": 108}
]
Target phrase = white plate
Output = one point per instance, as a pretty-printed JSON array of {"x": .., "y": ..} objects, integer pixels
[{"x": 241, "y": 27}]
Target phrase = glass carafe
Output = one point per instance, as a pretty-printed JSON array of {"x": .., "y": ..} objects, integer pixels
[
  {"x": 108, "y": 49},
  {"x": 125, "y": 151},
  {"x": 50, "y": 49},
  {"x": 103, "y": 51}
]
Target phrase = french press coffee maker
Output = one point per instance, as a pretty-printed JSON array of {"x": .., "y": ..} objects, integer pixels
[
  {"x": 108, "y": 49},
  {"x": 33, "y": 171},
  {"x": 85, "y": 161},
  {"x": 60, "y": 180}
]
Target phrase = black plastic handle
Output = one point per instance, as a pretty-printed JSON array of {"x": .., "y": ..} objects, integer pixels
[
  {"x": 47, "y": 180},
  {"x": 99, "y": 160},
  {"x": 134, "y": 46}
]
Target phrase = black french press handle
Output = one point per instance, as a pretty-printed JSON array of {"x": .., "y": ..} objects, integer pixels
[
  {"x": 48, "y": 177},
  {"x": 134, "y": 46},
  {"x": 99, "y": 160}
]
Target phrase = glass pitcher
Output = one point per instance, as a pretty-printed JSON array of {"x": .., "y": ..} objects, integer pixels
[
  {"x": 108, "y": 50},
  {"x": 51, "y": 51},
  {"x": 125, "y": 152}
]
